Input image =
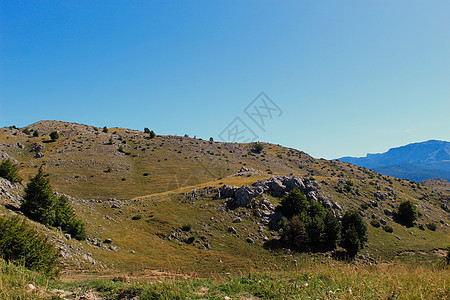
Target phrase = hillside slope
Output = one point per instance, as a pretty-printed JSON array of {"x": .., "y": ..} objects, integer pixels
[{"x": 142, "y": 197}]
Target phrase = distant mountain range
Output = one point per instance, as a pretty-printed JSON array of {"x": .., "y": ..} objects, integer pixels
[{"x": 416, "y": 161}]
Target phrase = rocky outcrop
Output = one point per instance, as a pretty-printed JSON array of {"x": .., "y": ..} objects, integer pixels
[{"x": 276, "y": 186}]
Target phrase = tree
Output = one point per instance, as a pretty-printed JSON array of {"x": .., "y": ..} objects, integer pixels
[
  {"x": 331, "y": 232},
  {"x": 315, "y": 228},
  {"x": 354, "y": 232},
  {"x": 26, "y": 131},
  {"x": 105, "y": 129},
  {"x": 294, "y": 233},
  {"x": 39, "y": 202},
  {"x": 294, "y": 203},
  {"x": 66, "y": 218},
  {"x": 54, "y": 135},
  {"x": 9, "y": 171},
  {"x": 350, "y": 241},
  {"x": 258, "y": 147},
  {"x": 152, "y": 134},
  {"x": 35, "y": 133},
  {"x": 146, "y": 130},
  {"x": 407, "y": 212}
]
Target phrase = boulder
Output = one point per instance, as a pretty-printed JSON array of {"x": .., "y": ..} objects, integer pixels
[
  {"x": 243, "y": 196},
  {"x": 293, "y": 182},
  {"x": 275, "y": 186}
]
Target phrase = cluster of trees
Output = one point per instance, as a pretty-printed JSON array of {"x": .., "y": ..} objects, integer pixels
[
  {"x": 308, "y": 226},
  {"x": 41, "y": 205},
  {"x": 8, "y": 170}
]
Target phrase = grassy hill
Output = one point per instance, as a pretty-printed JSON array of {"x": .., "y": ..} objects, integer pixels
[{"x": 134, "y": 194}]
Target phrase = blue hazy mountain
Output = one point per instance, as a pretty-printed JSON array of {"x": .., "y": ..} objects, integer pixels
[{"x": 416, "y": 161}]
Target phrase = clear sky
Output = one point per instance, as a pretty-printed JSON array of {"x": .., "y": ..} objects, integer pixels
[{"x": 348, "y": 77}]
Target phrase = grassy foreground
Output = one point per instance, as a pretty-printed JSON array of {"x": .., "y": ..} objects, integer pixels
[{"x": 331, "y": 280}]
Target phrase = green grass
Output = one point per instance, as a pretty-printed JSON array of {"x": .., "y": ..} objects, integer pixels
[
  {"x": 312, "y": 280},
  {"x": 332, "y": 280},
  {"x": 15, "y": 281}
]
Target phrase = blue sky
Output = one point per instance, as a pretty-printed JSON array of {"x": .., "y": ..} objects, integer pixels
[{"x": 350, "y": 77}]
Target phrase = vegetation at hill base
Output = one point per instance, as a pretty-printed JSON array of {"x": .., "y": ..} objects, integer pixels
[{"x": 21, "y": 244}]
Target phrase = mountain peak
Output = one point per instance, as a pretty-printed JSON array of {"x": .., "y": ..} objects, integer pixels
[{"x": 415, "y": 161}]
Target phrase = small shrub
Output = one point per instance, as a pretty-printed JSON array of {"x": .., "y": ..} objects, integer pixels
[
  {"x": 258, "y": 147},
  {"x": 152, "y": 134},
  {"x": 375, "y": 223},
  {"x": 388, "y": 228},
  {"x": 136, "y": 217},
  {"x": 364, "y": 206},
  {"x": 146, "y": 130},
  {"x": 26, "y": 131},
  {"x": 54, "y": 135},
  {"x": 186, "y": 227},
  {"x": 105, "y": 129},
  {"x": 9, "y": 171},
  {"x": 211, "y": 139},
  {"x": 108, "y": 170},
  {"x": 432, "y": 226},
  {"x": 407, "y": 212},
  {"x": 35, "y": 133}
]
